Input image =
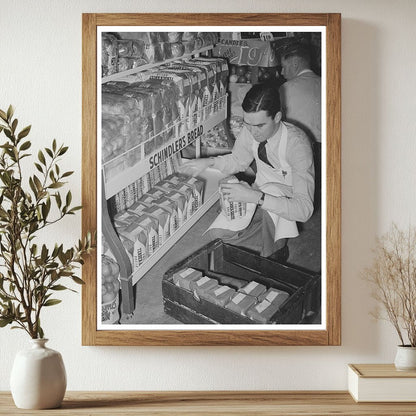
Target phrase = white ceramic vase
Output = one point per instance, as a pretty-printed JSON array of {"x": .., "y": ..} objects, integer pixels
[
  {"x": 405, "y": 358},
  {"x": 38, "y": 377}
]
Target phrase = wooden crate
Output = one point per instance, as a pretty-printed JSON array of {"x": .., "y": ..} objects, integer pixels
[{"x": 218, "y": 260}]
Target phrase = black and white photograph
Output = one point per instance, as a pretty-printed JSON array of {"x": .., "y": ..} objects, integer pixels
[{"x": 211, "y": 184}]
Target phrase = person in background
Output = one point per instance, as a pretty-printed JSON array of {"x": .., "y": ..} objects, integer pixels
[
  {"x": 301, "y": 100},
  {"x": 284, "y": 186},
  {"x": 300, "y": 95}
]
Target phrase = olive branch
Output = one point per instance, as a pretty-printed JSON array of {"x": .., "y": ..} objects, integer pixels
[{"x": 30, "y": 273}]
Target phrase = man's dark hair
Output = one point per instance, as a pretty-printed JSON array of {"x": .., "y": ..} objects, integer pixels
[
  {"x": 297, "y": 49},
  {"x": 262, "y": 97}
]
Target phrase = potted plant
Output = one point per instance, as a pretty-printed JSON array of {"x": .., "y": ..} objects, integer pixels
[
  {"x": 393, "y": 277},
  {"x": 31, "y": 272}
]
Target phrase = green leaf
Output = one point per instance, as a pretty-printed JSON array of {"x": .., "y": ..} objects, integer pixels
[
  {"x": 5, "y": 321},
  {"x": 3, "y": 115},
  {"x": 51, "y": 302},
  {"x": 39, "y": 167},
  {"x": 33, "y": 187},
  {"x": 24, "y": 133},
  {"x": 49, "y": 152},
  {"x": 44, "y": 253},
  {"x": 67, "y": 174},
  {"x": 68, "y": 198},
  {"x": 40, "y": 332},
  {"x": 58, "y": 199},
  {"x": 63, "y": 150},
  {"x": 10, "y": 112},
  {"x": 25, "y": 145},
  {"x": 54, "y": 145},
  {"x": 7, "y": 133},
  {"x": 77, "y": 208},
  {"x": 56, "y": 185},
  {"x": 14, "y": 125},
  {"x": 59, "y": 287},
  {"x": 45, "y": 211},
  {"x": 78, "y": 280},
  {"x": 41, "y": 157},
  {"x": 37, "y": 183}
]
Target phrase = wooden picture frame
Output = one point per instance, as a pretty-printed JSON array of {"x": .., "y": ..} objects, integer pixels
[{"x": 331, "y": 333}]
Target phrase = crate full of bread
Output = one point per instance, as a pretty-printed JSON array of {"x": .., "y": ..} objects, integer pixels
[{"x": 225, "y": 284}]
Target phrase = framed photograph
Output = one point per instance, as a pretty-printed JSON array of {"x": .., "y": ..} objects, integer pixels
[{"x": 211, "y": 172}]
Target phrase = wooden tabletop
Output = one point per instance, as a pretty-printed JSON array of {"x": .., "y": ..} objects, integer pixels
[{"x": 318, "y": 403}]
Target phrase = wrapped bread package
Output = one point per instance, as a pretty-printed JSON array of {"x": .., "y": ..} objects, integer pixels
[
  {"x": 177, "y": 177},
  {"x": 202, "y": 286},
  {"x": 219, "y": 295},
  {"x": 187, "y": 191},
  {"x": 198, "y": 186},
  {"x": 139, "y": 236},
  {"x": 144, "y": 184},
  {"x": 231, "y": 210},
  {"x": 125, "y": 218},
  {"x": 180, "y": 202},
  {"x": 274, "y": 296},
  {"x": 253, "y": 289},
  {"x": 151, "y": 225},
  {"x": 132, "y": 194},
  {"x": 109, "y": 54},
  {"x": 153, "y": 52},
  {"x": 189, "y": 46},
  {"x": 183, "y": 278},
  {"x": 171, "y": 207},
  {"x": 263, "y": 311},
  {"x": 117, "y": 104},
  {"x": 206, "y": 88},
  {"x": 152, "y": 194},
  {"x": 163, "y": 218},
  {"x": 240, "y": 303},
  {"x": 145, "y": 37},
  {"x": 189, "y": 36}
]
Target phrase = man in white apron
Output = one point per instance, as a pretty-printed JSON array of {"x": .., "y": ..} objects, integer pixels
[{"x": 284, "y": 186}]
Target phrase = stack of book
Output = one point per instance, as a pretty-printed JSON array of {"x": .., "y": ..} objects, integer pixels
[{"x": 381, "y": 383}]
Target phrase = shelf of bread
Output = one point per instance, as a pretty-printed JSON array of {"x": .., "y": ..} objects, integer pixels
[
  {"x": 210, "y": 179},
  {"x": 121, "y": 76},
  {"x": 141, "y": 159},
  {"x": 148, "y": 222}
]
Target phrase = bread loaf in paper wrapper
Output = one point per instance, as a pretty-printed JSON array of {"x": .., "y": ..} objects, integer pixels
[
  {"x": 219, "y": 295},
  {"x": 254, "y": 289},
  {"x": 231, "y": 210},
  {"x": 183, "y": 278},
  {"x": 240, "y": 303},
  {"x": 202, "y": 286}
]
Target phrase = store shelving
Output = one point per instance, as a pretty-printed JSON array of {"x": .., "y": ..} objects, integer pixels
[{"x": 111, "y": 185}]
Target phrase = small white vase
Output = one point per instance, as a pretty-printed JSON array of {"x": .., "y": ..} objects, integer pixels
[
  {"x": 405, "y": 358},
  {"x": 38, "y": 377}
]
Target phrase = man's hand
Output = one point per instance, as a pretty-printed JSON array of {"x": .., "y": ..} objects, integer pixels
[
  {"x": 240, "y": 192},
  {"x": 195, "y": 166}
]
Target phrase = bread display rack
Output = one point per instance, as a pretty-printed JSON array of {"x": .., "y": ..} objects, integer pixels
[{"x": 112, "y": 184}]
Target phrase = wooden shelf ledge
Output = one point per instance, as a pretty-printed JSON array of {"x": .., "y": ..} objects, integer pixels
[{"x": 180, "y": 403}]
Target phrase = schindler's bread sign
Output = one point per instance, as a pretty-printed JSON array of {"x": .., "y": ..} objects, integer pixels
[{"x": 247, "y": 52}]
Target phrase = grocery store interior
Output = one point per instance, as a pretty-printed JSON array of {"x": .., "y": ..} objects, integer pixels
[{"x": 167, "y": 97}]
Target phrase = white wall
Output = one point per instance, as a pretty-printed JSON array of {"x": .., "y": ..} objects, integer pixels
[{"x": 40, "y": 74}]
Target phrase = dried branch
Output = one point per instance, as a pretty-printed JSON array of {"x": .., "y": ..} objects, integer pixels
[{"x": 393, "y": 277}]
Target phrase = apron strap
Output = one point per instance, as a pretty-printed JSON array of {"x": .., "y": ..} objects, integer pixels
[{"x": 283, "y": 148}]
